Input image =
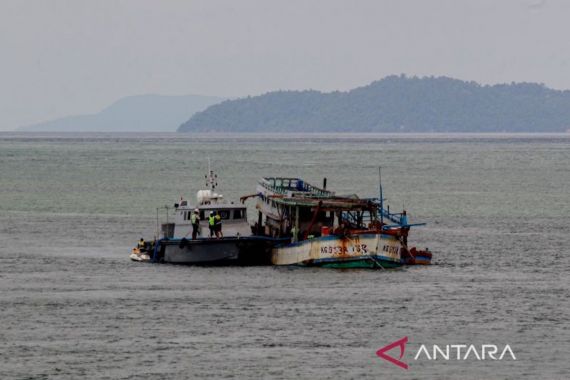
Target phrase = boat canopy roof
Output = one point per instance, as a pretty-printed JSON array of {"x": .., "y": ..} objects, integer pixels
[
  {"x": 328, "y": 204},
  {"x": 286, "y": 185}
]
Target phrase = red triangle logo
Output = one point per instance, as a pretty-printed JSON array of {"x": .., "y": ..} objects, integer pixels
[{"x": 399, "y": 343}]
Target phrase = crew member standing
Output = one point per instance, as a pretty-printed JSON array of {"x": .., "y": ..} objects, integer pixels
[
  {"x": 212, "y": 224},
  {"x": 405, "y": 228},
  {"x": 218, "y": 223},
  {"x": 195, "y": 219}
]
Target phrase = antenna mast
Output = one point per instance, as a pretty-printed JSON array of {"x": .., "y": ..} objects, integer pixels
[
  {"x": 211, "y": 178},
  {"x": 381, "y": 195}
]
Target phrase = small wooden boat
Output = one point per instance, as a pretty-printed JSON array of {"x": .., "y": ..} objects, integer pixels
[{"x": 416, "y": 257}]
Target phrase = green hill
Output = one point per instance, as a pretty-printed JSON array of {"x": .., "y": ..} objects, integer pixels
[{"x": 395, "y": 104}]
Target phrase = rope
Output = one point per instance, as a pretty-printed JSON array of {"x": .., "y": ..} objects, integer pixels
[
  {"x": 376, "y": 262},
  {"x": 370, "y": 256}
]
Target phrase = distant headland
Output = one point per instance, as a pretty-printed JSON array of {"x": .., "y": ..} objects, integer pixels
[{"x": 140, "y": 113}]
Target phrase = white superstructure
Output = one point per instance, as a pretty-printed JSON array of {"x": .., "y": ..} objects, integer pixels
[{"x": 234, "y": 216}]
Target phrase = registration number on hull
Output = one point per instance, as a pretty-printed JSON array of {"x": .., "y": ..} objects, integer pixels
[
  {"x": 390, "y": 249},
  {"x": 344, "y": 250}
]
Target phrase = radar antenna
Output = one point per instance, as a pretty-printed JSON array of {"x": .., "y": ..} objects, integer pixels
[{"x": 211, "y": 178}]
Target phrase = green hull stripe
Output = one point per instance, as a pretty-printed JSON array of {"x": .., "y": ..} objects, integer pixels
[{"x": 361, "y": 263}]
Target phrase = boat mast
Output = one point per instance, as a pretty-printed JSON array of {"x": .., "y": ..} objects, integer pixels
[
  {"x": 381, "y": 195},
  {"x": 157, "y": 225}
]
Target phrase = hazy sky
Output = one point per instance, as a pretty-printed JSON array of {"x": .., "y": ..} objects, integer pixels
[{"x": 70, "y": 57}]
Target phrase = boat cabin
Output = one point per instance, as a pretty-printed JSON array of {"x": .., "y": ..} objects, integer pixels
[
  {"x": 306, "y": 217},
  {"x": 234, "y": 216},
  {"x": 293, "y": 207},
  {"x": 228, "y": 212}
]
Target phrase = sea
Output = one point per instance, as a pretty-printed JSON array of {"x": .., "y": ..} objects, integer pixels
[{"x": 73, "y": 306}]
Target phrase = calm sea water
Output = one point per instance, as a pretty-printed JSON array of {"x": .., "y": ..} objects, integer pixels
[{"x": 72, "y": 305}]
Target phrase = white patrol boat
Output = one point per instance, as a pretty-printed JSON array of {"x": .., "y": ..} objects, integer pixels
[{"x": 229, "y": 242}]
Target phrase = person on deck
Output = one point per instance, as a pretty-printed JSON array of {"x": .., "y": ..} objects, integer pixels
[
  {"x": 212, "y": 224},
  {"x": 218, "y": 225},
  {"x": 294, "y": 234},
  {"x": 404, "y": 230},
  {"x": 403, "y": 218},
  {"x": 195, "y": 219},
  {"x": 142, "y": 244}
]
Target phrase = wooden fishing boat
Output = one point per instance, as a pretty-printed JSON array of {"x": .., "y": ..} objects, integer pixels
[{"x": 328, "y": 230}]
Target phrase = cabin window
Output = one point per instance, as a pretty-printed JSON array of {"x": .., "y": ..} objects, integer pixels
[
  {"x": 238, "y": 214},
  {"x": 224, "y": 214}
]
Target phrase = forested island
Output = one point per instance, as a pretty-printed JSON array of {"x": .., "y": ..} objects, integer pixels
[{"x": 395, "y": 104}]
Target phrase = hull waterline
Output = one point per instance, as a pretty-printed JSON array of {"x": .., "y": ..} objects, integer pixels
[{"x": 361, "y": 251}]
